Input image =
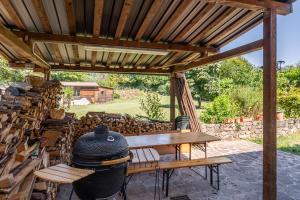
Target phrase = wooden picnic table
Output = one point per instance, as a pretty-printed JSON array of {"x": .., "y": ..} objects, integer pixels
[
  {"x": 154, "y": 140},
  {"x": 175, "y": 139}
]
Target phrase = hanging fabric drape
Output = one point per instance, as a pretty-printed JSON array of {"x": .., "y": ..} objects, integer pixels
[{"x": 185, "y": 101}]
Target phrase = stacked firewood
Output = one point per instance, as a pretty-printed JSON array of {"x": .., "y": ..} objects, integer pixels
[
  {"x": 124, "y": 124},
  {"x": 24, "y": 140},
  {"x": 59, "y": 134}
]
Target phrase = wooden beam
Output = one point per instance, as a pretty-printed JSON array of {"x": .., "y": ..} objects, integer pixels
[
  {"x": 254, "y": 46},
  {"x": 269, "y": 107},
  {"x": 98, "y": 12},
  {"x": 23, "y": 50},
  {"x": 123, "y": 18},
  {"x": 221, "y": 19},
  {"x": 40, "y": 10},
  {"x": 173, "y": 19},
  {"x": 95, "y": 41},
  {"x": 94, "y": 58},
  {"x": 199, "y": 19},
  {"x": 109, "y": 70},
  {"x": 7, "y": 4},
  {"x": 148, "y": 19},
  {"x": 280, "y": 7},
  {"x": 172, "y": 99}
]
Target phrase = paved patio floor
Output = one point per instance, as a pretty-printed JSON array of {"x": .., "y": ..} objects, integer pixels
[{"x": 240, "y": 180}]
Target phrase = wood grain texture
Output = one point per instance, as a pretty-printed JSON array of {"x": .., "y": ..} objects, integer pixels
[
  {"x": 145, "y": 141},
  {"x": 269, "y": 107}
]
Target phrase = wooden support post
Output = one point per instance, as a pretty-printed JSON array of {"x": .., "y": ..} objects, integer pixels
[
  {"x": 269, "y": 107},
  {"x": 172, "y": 99}
]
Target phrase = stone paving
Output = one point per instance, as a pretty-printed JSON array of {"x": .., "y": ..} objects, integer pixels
[{"x": 240, "y": 180}]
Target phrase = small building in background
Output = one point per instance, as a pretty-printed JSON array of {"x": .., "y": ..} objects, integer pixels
[{"x": 91, "y": 91}]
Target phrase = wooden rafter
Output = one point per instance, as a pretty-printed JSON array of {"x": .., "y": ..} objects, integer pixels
[
  {"x": 200, "y": 18},
  {"x": 80, "y": 40},
  {"x": 40, "y": 10},
  {"x": 281, "y": 7},
  {"x": 248, "y": 48},
  {"x": 109, "y": 70},
  {"x": 223, "y": 17},
  {"x": 98, "y": 12},
  {"x": 148, "y": 19},
  {"x": 10, "y": 39},
  {"x": 141, "y": 60},
  {"x": 125, "y": 60},
  {"x": 7, "y": 4},
  {"x": 94, "y": 58},
  {"x": 109, "y": 59},
  {"x": 123, "y": 18},
  {"x": 241, "y": 32},
  {"x": 173, "y": 19},
  {"x": 71, "y": 16},
  {"x": 233, "y": 27}
]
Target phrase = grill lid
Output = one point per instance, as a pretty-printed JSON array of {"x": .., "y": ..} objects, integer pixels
[{"x": 99, "y": 145}]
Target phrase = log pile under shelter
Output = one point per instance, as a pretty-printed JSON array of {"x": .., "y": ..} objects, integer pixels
[
  {"x": 124, "y": 124},
  {"x": 26, "y": 140}
]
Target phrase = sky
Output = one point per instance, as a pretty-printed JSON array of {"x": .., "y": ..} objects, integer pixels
[{"x": 288, "y": 39}]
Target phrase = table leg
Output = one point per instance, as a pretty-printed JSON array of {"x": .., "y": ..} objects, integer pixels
[
  {"x": 167, "y": 184},
  {"x": 205, "y": 154},
  {"x": 190, "y": 152}
]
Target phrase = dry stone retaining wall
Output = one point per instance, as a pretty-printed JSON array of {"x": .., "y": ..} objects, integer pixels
[{"x": 249, "y": 129}]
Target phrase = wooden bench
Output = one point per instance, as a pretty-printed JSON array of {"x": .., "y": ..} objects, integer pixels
[{"x": 212, "y": 163}]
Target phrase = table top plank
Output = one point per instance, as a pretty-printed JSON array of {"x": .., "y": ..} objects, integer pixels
[{"x": 153, "y": 140}]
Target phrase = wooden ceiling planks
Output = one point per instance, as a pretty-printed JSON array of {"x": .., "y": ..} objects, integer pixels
[
  {"x": 12, "y": 14},
  {"x": 220, "y": 20},
  {"x": 198, "y": 20},
  {"x": 72, "y": 27},
  {"x": 157, "y": 24},
  {"x": 232, "y": 27},
  {"x": 40, "y": 10},
  {"x": 175, "y": 17},
  {"x": 148, "y": 19}
]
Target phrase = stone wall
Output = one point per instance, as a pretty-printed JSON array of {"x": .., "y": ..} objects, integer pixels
[{"x": 249, "y": 129}]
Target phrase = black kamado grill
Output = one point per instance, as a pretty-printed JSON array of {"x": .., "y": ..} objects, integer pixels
[{"x": 107, "y": 153}]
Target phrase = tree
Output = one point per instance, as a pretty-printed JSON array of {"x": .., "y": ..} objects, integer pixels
[
  {"x": 70, "y": 76},
  {"x": 151, "y": 105},
  {"x": 7, "y": 74}
]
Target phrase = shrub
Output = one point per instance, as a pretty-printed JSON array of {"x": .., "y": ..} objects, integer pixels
[
  {"x": 68, "y": 94},
  {"x": 248, "y": 99},
  {"x": 151, "y": 105},
  {"x": 220, "y": 109},
  {"x": 290, "y": 102}
]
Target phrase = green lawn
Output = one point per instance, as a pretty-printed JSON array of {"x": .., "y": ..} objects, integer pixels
[
  {"x": 131, "y": 107},
  {"x": 289, "y": 143}
]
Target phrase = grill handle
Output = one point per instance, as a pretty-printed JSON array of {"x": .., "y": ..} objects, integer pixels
[{"x": 116, "y": 161}]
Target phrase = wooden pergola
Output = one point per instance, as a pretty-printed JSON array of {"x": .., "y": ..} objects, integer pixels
[{"x": 164, "y": 37}]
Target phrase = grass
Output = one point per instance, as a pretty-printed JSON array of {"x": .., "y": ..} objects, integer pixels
[
  {"x": 131, "y": 107},
  {"x": 289, "y": 143}
]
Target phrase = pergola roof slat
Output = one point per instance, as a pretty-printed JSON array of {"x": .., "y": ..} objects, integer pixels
[{"x": 163, "y": 34}]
